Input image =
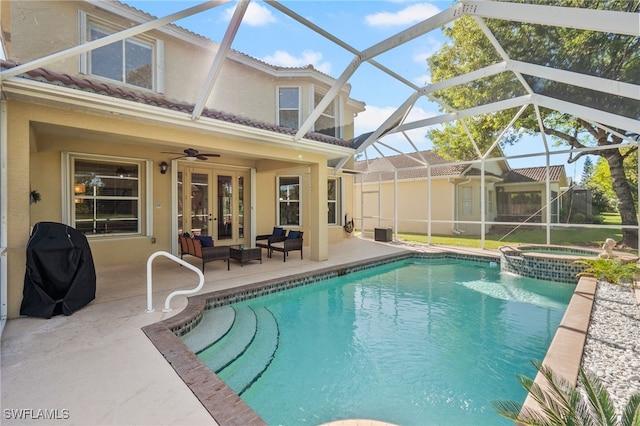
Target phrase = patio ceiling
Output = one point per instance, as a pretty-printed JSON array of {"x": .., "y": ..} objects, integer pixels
[{"x": 620, "y": 123}]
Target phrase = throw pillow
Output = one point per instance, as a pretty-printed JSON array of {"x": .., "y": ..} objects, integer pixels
[
  {"x": 293, "y": 235},
  {"x": 205, "y": 240},
  {"x": 277, "y": 232}
]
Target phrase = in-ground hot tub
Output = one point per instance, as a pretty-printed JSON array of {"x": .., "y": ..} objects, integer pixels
[{"x": 553, "y": 263}]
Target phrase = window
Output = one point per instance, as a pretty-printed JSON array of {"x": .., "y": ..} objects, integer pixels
[
  {"x": 466, "y": 196},
  {"x": 333, "y": 200},
  {"x": 132, "y": 61},
  {"x": 105, "y": 196},
  {"x": 326, "y": 123},
  {"x": 289, "y": 107},
  {"x": 289, "y": 201}
]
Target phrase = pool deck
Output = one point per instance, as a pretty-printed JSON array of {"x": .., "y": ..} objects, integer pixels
[{"x": 97, "y": 367}]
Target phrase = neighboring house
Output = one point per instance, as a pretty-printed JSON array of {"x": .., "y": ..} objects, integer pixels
[
  {"x": 452, "y": 190},
  {"x": 91, "y": 132}
]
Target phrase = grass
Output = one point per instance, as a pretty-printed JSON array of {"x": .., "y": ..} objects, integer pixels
[{"x": 584, "y": 237}]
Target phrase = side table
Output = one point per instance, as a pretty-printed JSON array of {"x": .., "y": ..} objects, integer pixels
[{"x": 243, "y": 255}]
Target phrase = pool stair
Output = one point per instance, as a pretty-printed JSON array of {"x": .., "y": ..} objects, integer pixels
[
  {"x": 245, "y": 349},
  {"x": 215, "y": 324},
  {"x": 250, "y": 365}
]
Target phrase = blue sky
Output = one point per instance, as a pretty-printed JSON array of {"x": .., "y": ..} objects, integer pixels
[{"x": 269, "y": 35}]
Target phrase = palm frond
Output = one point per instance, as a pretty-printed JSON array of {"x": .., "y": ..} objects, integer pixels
[
  {"x": 514, "y": 411},
  {"x": 631, "y": 413},
  {"x": 599, "y": 401}
]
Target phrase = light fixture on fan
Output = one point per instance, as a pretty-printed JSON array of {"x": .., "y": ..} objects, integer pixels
[{"x": 121, "y": 171}]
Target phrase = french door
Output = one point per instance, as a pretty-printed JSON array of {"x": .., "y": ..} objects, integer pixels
[{"x": 212, "y": 201}]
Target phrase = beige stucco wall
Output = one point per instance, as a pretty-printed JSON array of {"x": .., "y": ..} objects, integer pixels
[{"x": 413, "y": 202}]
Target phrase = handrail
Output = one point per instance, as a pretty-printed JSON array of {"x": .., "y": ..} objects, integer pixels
[
  {"x": 167, "y": 302},
  {"x": 503, "y": 248}
]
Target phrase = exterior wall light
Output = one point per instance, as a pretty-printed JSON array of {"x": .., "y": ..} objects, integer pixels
[{"x": 164, "y": 167}]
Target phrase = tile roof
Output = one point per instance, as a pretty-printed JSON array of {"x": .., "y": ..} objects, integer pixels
[
  {"x": 112, "y": 90},
  {"x": 406, "y": 165},
  {"x": 534, "y": 174},
  {"x": 407, "y": 169}
]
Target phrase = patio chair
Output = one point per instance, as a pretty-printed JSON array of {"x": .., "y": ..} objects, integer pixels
[
  {"x": 265, "y": 241},
  {"x": 193, "y": 247},
  {"x": 291, "y": 243}
]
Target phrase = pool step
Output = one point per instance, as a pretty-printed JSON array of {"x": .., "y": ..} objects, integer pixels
[
  {"x": 234, "y": 343},
  {"x": 249, "y": 366},
  {"x": 214, "y": 325}
]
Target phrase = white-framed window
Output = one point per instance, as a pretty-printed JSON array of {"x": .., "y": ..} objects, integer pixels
[
  {"x": 134, "y": 61},
  {"x": 289, "y": 107},
  {"x": 333, "y": 200},
  {"x": 289, "y": 203},
  {"x": 328, "y": 123},
  {"x": 105, "y": 195},
  {"x": 466, "y": 199}
]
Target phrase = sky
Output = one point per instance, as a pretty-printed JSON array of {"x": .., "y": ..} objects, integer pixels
[{"x": 269, "y": 35}]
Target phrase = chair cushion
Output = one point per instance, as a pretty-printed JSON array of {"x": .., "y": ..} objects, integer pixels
[
  {"x": 293, "y": 235},
  {"x": 205, "y": 240},
  {"x": 277, "y": 232}
]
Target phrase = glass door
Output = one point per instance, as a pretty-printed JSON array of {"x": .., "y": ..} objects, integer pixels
[
  {"x": 225, "y": 217},
  {"x": 216, "y": 199}
]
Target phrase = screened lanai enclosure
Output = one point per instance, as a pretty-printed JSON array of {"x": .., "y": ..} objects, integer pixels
[
  {"x": 496, "y": 116},
  {"x": 536, "y": 140}
]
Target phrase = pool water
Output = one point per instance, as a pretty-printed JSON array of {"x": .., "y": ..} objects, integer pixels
[
  {"x": 567, "y": 252},
  {"x": 420, "y": 341}
]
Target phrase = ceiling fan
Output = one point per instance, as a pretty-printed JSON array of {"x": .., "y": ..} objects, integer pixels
[{"x": 192, "y": 155}]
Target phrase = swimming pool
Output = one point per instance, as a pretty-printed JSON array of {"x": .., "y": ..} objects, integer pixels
[{"x": 419, "y": 340}]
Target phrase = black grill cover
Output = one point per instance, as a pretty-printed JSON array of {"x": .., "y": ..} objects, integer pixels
[{"x": 60, "y": 275}]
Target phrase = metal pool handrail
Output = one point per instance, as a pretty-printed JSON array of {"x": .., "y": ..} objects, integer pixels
[
  {"x": 503, "y": 248},
  {"x": 167, "y": 302}
]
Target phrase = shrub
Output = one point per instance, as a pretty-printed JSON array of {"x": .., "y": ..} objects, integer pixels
[
  {"x": 613, "y": 271},
  {"x": 578, "y": 218}
]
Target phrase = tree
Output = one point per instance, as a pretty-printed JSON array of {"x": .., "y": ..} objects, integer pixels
[
  {"x": 610, "y": 56},
  {"x": 587, "y": 171}
]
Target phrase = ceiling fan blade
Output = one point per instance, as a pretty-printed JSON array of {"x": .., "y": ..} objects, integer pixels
[{"x": 191, "y": 154}]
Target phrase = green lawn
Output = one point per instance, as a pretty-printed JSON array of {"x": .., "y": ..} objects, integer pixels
[{"x": 585, "y": 237}]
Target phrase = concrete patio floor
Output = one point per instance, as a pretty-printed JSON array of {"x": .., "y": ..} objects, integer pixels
[{"x": 96, "y": 367}]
